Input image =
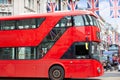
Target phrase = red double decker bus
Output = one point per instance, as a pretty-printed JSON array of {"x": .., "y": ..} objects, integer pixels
[{"x": 52, "y": 45}]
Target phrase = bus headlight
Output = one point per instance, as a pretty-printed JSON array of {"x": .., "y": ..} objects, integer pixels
[{"x": 98, "y": 69}]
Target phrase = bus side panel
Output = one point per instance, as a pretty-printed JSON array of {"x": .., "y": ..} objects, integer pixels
[
  {"x": 7, "y": 68},
  {"x": 27, "y": 37},
  {"x": 45, "y": 64},
  {"x": 82, "y": 68}
]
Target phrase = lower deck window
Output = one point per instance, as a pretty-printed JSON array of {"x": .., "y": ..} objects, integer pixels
[
  {"x": 26, "y": 53},
  {"x": 18, "y": 53},
  {"x": 7, "y": 53}
]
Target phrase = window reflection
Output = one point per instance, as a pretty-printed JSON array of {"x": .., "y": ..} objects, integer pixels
[
  {"x": 20, "y": 24},
  {"x": 85, "y": 20}
]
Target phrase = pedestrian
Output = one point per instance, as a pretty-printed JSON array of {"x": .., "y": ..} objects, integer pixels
[
  {"x": 115, "y": 62},
  {"x": 108, "y": 64},
  {"x": 119, "y": 63}
]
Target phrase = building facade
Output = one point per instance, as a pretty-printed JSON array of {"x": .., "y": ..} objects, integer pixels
[{"x": 18, "y": 7}]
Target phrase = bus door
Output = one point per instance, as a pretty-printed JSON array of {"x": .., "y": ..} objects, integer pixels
[{"x": 82, "y": 63}]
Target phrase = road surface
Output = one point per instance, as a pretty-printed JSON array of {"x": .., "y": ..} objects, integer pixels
[{"x": 113, "y": 75}]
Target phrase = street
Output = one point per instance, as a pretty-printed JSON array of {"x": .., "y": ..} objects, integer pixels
[{"x": 113, "y": 75}]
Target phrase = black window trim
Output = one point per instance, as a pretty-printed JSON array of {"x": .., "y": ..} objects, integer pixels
[{"x": 16, "y": 25}]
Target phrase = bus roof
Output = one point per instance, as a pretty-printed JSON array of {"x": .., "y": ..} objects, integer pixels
[{"x": 57, "y": 13}]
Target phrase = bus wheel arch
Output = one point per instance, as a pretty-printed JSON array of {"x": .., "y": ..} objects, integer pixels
[{"x": 56, "y": 72}]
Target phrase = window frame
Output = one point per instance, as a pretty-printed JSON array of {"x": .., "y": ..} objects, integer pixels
[
  {"x": 38, "y": 22},
  {"x": 85, "y": 20}
]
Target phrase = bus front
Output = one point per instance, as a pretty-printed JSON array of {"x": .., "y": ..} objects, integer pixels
[
  {"x": 71, "y": 49},
  {"x": 89, "y": 50}
]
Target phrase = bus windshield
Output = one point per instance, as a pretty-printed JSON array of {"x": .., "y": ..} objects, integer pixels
[
  {"x": 85, "y": 20},
  {"x": 95, "y": 50}
]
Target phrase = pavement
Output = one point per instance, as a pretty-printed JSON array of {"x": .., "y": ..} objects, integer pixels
[{"x": 109, "y": 75}]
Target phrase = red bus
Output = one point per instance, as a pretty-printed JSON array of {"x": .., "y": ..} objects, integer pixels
[{"x": 52, "y": 45}]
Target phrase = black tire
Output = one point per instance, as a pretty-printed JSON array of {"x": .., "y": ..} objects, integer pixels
[{"x": 56, "y": 73}]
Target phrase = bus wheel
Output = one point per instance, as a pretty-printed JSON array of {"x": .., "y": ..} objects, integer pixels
[{"x": 56, "y": 73}]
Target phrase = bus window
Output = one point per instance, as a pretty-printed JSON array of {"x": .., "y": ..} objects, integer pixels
[
  {"x": 95, "y": 22},
  {"x": 7, "y": 25},
  {"x": 21, "y": 24},
  {"x": 78, "y": 50},
  {"x": 58, "y": 30},
  {"x": 85, "y": 20},
  {"x": 90, "y": 19},
  {"x": 25, "y": 53},
  {"x": 78, "y": 21},
  {"x": 69, "y": 54},
  {"x": 95, "y": 50},
  {"x": 29, "y": 23},
  {"x": 43, "y": 48},
  {"x": 53, "y": 36},
  {"x": 81, "y": 51},
  {"x": 65, "y": 22},
  {"x": 7, "y": 53}
]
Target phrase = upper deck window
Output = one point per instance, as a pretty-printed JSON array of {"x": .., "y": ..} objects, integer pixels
[
  {"x": 7, "y": 25},
  {"x": 65, "y": 22},
  {"x": 85, "y": 20},
  {"x": 20, "y": 24},
  {"x": 78, "y": 21}
]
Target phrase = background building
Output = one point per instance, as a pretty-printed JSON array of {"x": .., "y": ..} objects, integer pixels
[{"x": 18, "y": 7}]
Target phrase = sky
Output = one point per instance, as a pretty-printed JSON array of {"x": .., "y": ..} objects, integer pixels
[{"x": 105, "y": 6}]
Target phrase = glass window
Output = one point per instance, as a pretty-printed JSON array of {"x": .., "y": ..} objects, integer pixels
[
  {"x": 95, "y": 22},
  {"x": 69, "y": 54},
  {"x": 85, "y": 20},
  {"x": 18, "y": 53},
  {"x": 20, "y": 24},
  {"x": 53, "y": 36},
  {"x": 39, "y": 21},
  {"x": 90, "y": 19},
  {"x": 5, "y": 13},
  {"x": 59, "y": 29},
  {"x": 7, "y": 25},
  {"x": 7, "y": 53},
  {"x": 95, "y": 50},
  {"x": 65, "y": 22},
  {"x": 25, "y": 53},
  {"x": 81, "y": 50},
  {"x": 29, "y": 23},
  {"x": 78, "y": 21},
  {"x": 43, "y": 48}
]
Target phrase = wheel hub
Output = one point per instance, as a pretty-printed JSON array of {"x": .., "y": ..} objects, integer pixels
[{"x": 56, "y": 73}]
